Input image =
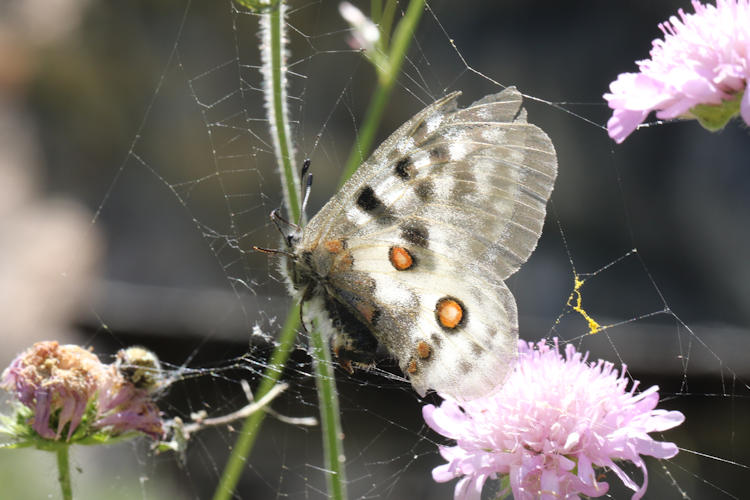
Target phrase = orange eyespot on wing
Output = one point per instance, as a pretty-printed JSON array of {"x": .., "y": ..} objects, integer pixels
[
  {"x": 449, "y": 312},
  {"x": 343, "y": 262},
  {"x": 334, "y": 246},
  {"x": 412, "y": 367},
  {"x": 400, "y": 258},
  {"x": 423, "y": 349}
]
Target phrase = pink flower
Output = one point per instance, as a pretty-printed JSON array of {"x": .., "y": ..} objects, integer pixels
[
  {"x": 67, "y": 387},
  {"x": 704, "y": 60},
  {"x": 124, "y": 408},
  {"x": 554, "y": 421}
]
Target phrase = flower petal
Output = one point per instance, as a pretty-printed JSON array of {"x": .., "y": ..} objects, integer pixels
[
  {"x": 554, "y": 415},
  {"x": 702, "y": 59}
]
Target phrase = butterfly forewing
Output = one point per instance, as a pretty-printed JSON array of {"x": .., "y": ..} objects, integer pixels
[{"x": 426, "y": 232}]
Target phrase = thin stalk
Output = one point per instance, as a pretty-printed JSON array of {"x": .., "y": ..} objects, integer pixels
[
  {"x": 63, "y": 472},
  {"x": 249, "y": 432},
  {"x": 387, "y": 78},
  {"x": 402, "y": 37},
  {"x": 386, "y": 21},
  {"x": 333, "y": 446},
  {"x": 274, "y": 73},
  {"x": 325, "y": 380},
  {"x": 366, "y": 135},
  {"x": 376, "y": 9},
  {"x": 274, "y": 70}
]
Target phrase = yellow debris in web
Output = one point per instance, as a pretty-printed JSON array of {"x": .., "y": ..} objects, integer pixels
[{"x": 575, "y": 295}]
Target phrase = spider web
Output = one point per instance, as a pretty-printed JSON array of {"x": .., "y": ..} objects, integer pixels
[{"x": 641, "y": 260}]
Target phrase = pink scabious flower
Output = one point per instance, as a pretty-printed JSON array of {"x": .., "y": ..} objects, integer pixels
[
  {"x": 67, "y": 387},
  {"x": 554, "y": 421},
  {"x": 699, "y": 70}
]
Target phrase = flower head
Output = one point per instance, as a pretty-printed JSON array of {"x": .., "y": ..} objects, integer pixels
[
  {"x": 67, "y": 393},
  {"x": 554, "y": 420},
  {"x": 700, "y": 69}
]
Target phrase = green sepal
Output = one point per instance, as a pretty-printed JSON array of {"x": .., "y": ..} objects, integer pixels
[
  {"x": 20, "y": 434},
  {"x": 715, "y": 117}
]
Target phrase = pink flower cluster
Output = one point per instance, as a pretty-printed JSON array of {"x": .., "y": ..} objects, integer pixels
[
  {"x": 552, "y": 424},
  {"x": 66, "y": 385},
  {"x": 704, "y": 59}
]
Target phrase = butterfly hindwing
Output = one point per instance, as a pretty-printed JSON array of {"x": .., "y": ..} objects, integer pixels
[{"x": 450, "y": 332}]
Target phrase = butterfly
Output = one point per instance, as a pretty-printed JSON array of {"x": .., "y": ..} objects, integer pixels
[{"x": 413, "y": 251}]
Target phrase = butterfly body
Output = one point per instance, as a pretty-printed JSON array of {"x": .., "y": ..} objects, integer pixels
[{"x": 413, "y": 251}]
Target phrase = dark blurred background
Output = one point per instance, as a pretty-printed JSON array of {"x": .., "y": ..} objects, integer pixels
[{"x": 135, "y": 162}]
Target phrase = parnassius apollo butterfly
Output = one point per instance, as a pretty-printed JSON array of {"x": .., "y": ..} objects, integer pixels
[{"x": 413, "y": 251}]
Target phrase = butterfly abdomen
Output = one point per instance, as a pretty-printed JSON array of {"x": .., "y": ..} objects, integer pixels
[{"x": 353, "y": 341}]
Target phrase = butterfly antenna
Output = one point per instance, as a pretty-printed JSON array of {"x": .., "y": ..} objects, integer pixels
[
  {"x": 305, "y": 168},
  {"x": 272, "y": 251},
  {"x": 308, "y": 188},
  {"x": 278, "y": 219},
  {"x": 306, "y": 179}
]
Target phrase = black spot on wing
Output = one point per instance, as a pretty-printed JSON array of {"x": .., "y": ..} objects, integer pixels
[
  {"x": 425, "y": 190},
  {"x": 438, "y": 153},
  {"x": 436, "y": 339},
  {"x": 405, "y": 169},
  {"x": 416, "y": 233},
  {"x": 367, "y": 200}
]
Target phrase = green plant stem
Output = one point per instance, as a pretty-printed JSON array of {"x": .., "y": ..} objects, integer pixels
[
  {"x": 387, "y": 77},
  {"x": 386, "y": 20},
  {"x": 367, "y": 133},
  {"x": 251, "y": 426},
  {"x": 280, "y": 118},
  {"x": 63, "y": 472},
  {"x": 333, "y": 446},
  {"x": 325, "y": 380},
  {"x": 327, "y": 396},
  {"x": 275, "y": 85},
  {"x": 376, "y": 10}
]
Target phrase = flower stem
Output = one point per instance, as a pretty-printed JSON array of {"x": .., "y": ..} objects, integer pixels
[
  {"x": 387, "y": 77},
  {"x": 63, "y": 472},
  {"x": 333, "y": 446},
  {"x": 249, "y": 432},
  {"x": 274, "y": 87},
  {"x": 274, "y": 71}
]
